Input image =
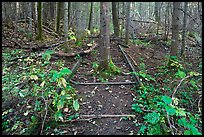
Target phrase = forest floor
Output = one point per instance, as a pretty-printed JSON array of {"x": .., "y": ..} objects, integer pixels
[{"x": 110, "y": 100}]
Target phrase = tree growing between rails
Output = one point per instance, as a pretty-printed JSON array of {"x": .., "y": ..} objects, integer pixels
[{"x": 104, "y": 36}]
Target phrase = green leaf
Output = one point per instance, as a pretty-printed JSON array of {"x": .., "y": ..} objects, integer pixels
[
  {"x": 65, "y": 71},
  {"x": 181, "y": 74},
  {"x": 60, "y": 104},
  {"x": 73, "y": 117},
  {"x": 136, "y": 108},
  {"x": 182, "y": 122},
  {"x": 167, "y": 100},
  {"x": 187, "y": 132},
  {"x": 142, "y": 128},
  {"x": 49, "y": 52},
  {"x": 58, "y": 115},
  {"x": 55, "y": 76},
  {"x": 170, "y": 110},
  {"x": 180, "y": 112},
  {"x": 76, "y": 105},
  {"x": 152, "y": 117}
]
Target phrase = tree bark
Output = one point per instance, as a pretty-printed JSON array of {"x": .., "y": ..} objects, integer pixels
[
  {"x": 184, "y": 29},
  {"x": 127, "y": 23},
  {"x": 39, "y": 9},
  {"x": 90, "y": 16},
  {"x": 57, "y": 27},
  {"x": 65, "y": 20},
  {"x": 69, "y": 10},
  {"x": 104, "y": 47},
  {"x": 157, "y": 15},
  {"x": 30, "y": 18},
  {"x": 115, "y": 19},
  {"x": 175, "y": 28}
]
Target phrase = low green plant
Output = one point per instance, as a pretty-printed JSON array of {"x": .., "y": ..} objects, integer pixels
[
  {"x": 105, "y": 73},
  {"x": 162, "y": 114}
]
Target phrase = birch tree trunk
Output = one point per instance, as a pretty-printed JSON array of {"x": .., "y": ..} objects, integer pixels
[
  {"x": 104, "y": 47},
  {"x": 175, "y": 28}
]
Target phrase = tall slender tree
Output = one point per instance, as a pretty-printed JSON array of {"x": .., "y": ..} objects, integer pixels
[
  {"x": 184, "y": 29},
  {"x": 104, "y": 36},
  {"x": 127, "y": 23},
  {"x": 30, "y": 16},
  {"x": 175, "y": 28},
  {"x": 65, "y": 20},
  {"x": 39, "y": 9},
  {"x": 115, "y": 18},
  {"x": 157, "y": 15},
  {"x": 90, "y": 16},
  {"x": 57, "y": 27}
]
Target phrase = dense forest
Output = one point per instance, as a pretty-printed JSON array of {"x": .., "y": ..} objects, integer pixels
[{"x": 101, "y": 68}]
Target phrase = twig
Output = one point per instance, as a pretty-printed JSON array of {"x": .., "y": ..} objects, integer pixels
[
  {"x": 199, "y": 103},
  {"x": 45, "y": 114},
  {"x": 181, "y": 82},
  {"x": 169, "y": 123}
]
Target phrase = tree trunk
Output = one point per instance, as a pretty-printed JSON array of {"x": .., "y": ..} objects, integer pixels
[
  {"x": 39, "y": 9},
  {"x": 175, "y": 28},
  {"x": 184, "y": 29},
  {"x": 104, "y": 36},
  {"x": 30, "y": 20},
  {"x": 78, "y": 22},
  {"x": 90, "y": 16},
  {"x": 65, "y": 20},
  {"x": 69, "y": 10},
  {"x": 115, "y": 19},
  {"x": 17, "y": 13},
  {"x": 157, "y": 15},
  {"x": 123, "y": 18},
  {"x": 127, "y": 23},
  {"x": 57, "y": 27}
]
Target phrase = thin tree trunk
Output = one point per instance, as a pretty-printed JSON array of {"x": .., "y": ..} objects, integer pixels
[
  {"x": 65, "y": 20},
  {"x": 184, "y": 29},
  {"x": 39, "y": 9},
  {"x": 69, "y": 10},
  {"x": 57, "y": 27},
  {"x": 175, "y": 28},
  {"x": 90, "y": 16},
  {"x": 157, "y": 16},
  {"x": 104, "y": 36},
  {"x": 127, "y": 23},
  {"x": 30, "y": 16},
  {"x": 16, "y": 17},
  {"x": 115, "y": 19}
]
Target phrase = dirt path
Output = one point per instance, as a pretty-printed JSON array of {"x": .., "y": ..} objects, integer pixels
[{"x": 103, "y": 100}]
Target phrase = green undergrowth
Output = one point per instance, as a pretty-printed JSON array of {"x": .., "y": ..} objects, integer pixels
[
  {"x": 40, "y": 89},
  {"x": 165, "y": 108},
  {"x": 105, "y": 74}
]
